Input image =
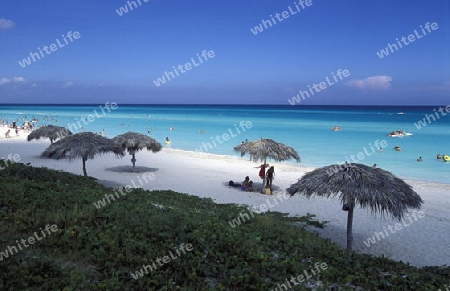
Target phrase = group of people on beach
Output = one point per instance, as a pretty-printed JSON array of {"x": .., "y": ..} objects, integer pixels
[
  {"x": 27, "y": 126},
  {"x": 247, "y": 185},
  {"x": 270, "y": 175}
]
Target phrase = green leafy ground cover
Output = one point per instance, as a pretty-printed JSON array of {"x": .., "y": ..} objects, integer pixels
[{"x": 99, "y": 249}]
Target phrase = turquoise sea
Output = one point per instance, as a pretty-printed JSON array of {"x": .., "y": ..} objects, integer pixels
[{"x": 305, "y": 128}]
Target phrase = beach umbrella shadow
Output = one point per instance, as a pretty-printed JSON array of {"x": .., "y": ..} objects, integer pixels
[
  {"x": 130, "y": 169},
  {"x": 370, "y": 187},
  {"x": 256, "y": 186}
]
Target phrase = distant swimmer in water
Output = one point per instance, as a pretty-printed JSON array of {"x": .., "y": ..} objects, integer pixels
[
  {"x": 202, "y": 131},
  {"x": 419, "y": 159},
  {"x": 438, "y": 157},
  {"x": 168, "y": 142},
  {"x": 381, "y": 149},
  {"x": 397, "y": 148},
  {"x": 171, "y": 128}
]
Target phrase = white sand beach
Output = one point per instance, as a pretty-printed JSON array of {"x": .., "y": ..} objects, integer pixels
[{"x": 422, "y": 242}]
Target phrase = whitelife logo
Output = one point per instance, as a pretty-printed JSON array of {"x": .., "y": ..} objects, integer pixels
[
  {"x": 181, "y": 250},
  {"x": 188, "y": 66},
  {"x": 284, "y": 14},
  {"x": 12, "y": 250},
  {"x": 124, "y": 10},
  {"x": 296, "y": 99},
  {"x": 52, "y": 47},
  {"x": 412, "y": 38}
]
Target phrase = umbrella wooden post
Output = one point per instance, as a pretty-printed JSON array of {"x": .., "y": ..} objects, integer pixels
[
  {"x": 264, "y": 179},
  {"x": 133, "y": 160},
  {"x": 350, "y": 226},
  {"x": 84, "y": 167},
  {"x": 264, "y": 185}
]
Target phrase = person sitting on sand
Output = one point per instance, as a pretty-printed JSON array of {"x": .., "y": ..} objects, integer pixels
[
  {"x": 7, "y": 133},
  {"x": 245, "y": 183},
  {"x": 249, "y": 187},
  {"x": 262, "y": 171},
  {"x": 419, "y": 159}
]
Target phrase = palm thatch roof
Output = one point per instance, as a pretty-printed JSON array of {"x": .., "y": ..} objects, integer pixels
[
  {"x": 262, "y": 149},
  {"x": 134, "y": 142},
  {"x": 49, "y": 131},
  {"x": 372, "y": 188},
  {"x": 85, "y": 145}
]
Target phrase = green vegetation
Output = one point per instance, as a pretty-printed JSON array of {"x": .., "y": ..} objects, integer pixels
[{"x": 98, "y": 249}]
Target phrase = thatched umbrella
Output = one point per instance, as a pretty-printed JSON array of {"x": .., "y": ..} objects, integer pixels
[
  {"x": 49, "y": 131},
  {"x": 370, "y": 187},
  {"x": 262, "y": 149},
  {"x": 84, "y": 145},
  {"x": 134, "y": 142}
]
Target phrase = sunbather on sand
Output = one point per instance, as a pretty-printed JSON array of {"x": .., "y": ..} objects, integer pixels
[{"x": 249, "y": 187}]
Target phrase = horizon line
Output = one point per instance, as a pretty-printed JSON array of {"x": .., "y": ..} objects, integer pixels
[{"x": 206, "y": 104}]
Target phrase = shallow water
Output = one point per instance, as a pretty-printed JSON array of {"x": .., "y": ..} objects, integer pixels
[{"x": 305, "y": 128}]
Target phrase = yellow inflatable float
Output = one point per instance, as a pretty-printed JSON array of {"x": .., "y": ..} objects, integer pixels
[{"x": 446, "y": 158}]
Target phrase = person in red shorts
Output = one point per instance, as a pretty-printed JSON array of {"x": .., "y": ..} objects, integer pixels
[{"x": 262, "y": 171}]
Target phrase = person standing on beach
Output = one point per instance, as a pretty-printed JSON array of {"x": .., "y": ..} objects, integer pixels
[
  {"x": 270, "y": 176},
  {"x": 262, "y": 171}
]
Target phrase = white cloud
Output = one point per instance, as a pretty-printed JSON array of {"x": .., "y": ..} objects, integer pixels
[
  {"x": 288, "y": 89},
  {"x": 6, "y": 24},
  {"x": 375, "y": 82},
  {"x": 68, "y": 84},
  {"x": 445, "y": 86},
  {"x": 19, "y": 79},
  {"x": 5, "y": 81}
]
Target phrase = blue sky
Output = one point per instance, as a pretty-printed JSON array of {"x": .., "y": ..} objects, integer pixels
[{"x": 118, "y": 58}]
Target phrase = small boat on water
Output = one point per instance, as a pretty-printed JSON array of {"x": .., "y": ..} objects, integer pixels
[
  {"x": 336, "y": 128},
  {"x": 399, "y": 133}
]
